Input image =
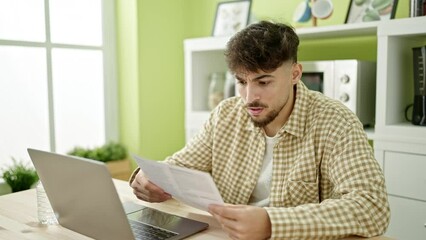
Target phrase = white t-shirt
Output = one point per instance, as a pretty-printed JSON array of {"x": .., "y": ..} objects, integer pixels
[{"x": 260, "y": 195}]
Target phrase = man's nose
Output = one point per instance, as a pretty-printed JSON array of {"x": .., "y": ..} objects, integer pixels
[{"x": 252, "y": 94}]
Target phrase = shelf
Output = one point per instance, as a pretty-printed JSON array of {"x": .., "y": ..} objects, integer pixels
[
  {"x": 370, "y": 133},
  {"x": 407, "y": 27},
  {"x": 205, "y": 44},
  {"x": 395, "y": 38},
  {"x": 338, "y": 31},
  {"x": 402, "y": 132},
  {"x": 395, "y": 83}
]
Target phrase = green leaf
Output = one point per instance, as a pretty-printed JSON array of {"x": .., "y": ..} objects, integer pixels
[
  {"x": 19, "y": 176},
  {"x": 108, "y": 152}
]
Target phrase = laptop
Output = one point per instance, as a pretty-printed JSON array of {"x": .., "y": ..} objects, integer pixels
[{"x": 84, "y": 199}]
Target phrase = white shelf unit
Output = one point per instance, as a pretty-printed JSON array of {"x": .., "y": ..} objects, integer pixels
[
  {"x": 204, "y": 56},
  {"x": 399, "y": 146},
  {"x": 395, "y": 79},
  {"x": 404, "y": 166}
]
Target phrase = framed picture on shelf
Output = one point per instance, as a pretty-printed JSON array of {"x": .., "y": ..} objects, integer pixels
[
  {"x": 370, "y": 10},
  {"x": 231, "y": 17}
]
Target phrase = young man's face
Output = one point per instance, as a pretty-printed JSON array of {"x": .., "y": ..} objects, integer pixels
[{"x": 269, "y": 96}]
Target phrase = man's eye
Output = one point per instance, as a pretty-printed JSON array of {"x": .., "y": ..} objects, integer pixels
[
  {"x": 241, "y": 82},
  {"x": 263, "y": 83}
]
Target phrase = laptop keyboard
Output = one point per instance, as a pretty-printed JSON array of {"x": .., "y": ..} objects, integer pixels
[{"x": 144, "y": 231}]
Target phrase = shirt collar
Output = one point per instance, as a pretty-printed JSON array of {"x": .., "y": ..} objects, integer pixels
[{"x": 296, "y": 122}]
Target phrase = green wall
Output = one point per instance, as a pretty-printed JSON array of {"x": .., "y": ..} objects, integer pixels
[
  {"x": 128, "y": 78},
  {"x": 150, "y": 38},
  {"x": 150, "y": 75}
]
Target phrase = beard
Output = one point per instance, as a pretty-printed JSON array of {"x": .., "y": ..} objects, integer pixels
[{"x": 268, "y": 118}]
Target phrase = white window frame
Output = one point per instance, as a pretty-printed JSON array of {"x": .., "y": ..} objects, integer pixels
[{"x": 108, "y": 49}]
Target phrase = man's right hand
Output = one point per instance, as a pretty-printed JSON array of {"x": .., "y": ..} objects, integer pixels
[{"x": 148, "y": 191}]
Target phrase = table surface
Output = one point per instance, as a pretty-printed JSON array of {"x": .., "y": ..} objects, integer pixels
[{"x": 18, "y": 217}]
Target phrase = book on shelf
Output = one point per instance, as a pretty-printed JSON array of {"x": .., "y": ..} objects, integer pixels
[{"x": 417, "y": 8}]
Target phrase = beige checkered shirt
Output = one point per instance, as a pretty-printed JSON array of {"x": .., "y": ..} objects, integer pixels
[{"x": 325, "y": 182}]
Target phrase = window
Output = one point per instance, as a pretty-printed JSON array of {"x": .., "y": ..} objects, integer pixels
[{"x": 57, "y": 74}]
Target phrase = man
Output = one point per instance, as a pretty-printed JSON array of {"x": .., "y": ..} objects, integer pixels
[{"x": 289, "y": 162}]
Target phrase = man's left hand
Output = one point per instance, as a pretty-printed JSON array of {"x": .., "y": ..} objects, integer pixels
[{"x": 242, "y": 221}]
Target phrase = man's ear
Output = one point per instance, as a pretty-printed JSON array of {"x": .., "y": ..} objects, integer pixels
[{"x": 296, "y": 72}]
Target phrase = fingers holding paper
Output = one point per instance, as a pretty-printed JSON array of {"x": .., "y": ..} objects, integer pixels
[
  {"x": 242, "y": 221},
  {"x": 148, "y": 191}
]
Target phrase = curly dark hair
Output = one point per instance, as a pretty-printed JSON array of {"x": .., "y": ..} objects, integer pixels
[{"x": 262, "y": 46}]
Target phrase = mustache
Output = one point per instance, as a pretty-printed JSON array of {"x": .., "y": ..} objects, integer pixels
[{"x": 256, "y": 104}]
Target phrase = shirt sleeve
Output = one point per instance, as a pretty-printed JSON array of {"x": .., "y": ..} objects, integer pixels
[
  {"x": 197, "y": 154},
  {"x": 359, "y": 205},
  {"x": 133, "y": 175}
]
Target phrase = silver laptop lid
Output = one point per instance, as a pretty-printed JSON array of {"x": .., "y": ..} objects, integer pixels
[{"x": 82, "y": 195}]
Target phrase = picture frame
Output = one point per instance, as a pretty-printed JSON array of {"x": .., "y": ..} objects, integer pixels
[
  {"x": 231, "y": 17},
  {"x": 370, "y": 10}
]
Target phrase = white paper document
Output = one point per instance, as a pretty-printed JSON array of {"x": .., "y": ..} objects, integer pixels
[{"x": 192, "y": 187}]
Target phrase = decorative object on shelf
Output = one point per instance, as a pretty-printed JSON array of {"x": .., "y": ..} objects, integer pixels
[
  {"x": 113, "y": 154},
  {"x": 419, "y": 105},
  {"x": 370, "y": 10},
  {"x": 19, "y": 176},
  {"x": 322, "y": 9},
  {"x": 417, "y": 8},
  {"x": 231, "y": 17},
  {"x": 313, "y": 9},
  {"x": 216, "y": 89},
  {"x": 229, "y": 90},
  {"x": 302, "y": 13}
]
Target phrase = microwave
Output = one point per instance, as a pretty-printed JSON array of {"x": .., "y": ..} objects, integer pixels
[{"x": 352, "y": 82}]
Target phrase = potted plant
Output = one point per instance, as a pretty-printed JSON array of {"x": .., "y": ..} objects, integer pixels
[
  {"x": 114, "y": 155},
  {"x": 19, "y": 176}
]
